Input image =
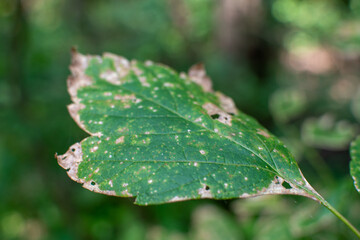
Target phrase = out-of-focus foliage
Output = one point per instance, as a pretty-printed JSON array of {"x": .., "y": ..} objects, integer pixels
[
  {"x": 251, "y": 49},
  {"x": 320, "y": 59},
  {"x": 287, "y": 104},
  {"x": 355, "y": 162},
  {"x": 326, "y": 133}
]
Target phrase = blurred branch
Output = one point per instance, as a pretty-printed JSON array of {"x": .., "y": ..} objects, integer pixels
[
  {"x": 17, "y": 53},
  {"x": 237, "y": 22},
  {"x": 240, "y": 33}
]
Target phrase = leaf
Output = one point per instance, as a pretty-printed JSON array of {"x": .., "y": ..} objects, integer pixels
[
  {"x": 325, "y": 133},
  {"x": 355, "y": 162},
  {"x": 162, "y": 137}
]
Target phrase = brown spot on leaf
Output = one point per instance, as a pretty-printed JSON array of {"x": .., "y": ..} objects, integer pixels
[
  {"x": 111, "y": 77},
  {"x": 217, "y": 113},
  {"x": 120, "y": 140},
  {"x": 94, "y": 187},
  {"x": 198, "y": 75},
  {"x": 78, "y": 79},
  {"x": 227, "y": 103},
  {"x": 263, "y": 133},
  {"x": 204, "y": 192},
  {"x": 280, "y": 186},
  {"x": 94, "y": 149},
  {"x": 121, "y": 64}
]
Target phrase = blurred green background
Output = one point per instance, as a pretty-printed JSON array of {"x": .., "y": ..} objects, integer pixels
[{"x": 292, "y": 64}]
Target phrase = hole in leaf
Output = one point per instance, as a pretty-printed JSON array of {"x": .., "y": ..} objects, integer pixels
[
  {"x": 207, "y": 187},
  {"x": 64, "y": 158},
  {"x": 232, "y": 114},
  {"x": 73, "y": 149},
  {"x": 286, "y": 185},
  {"x": 92, "y": 183},
  {"x": 215, "y": 116}
]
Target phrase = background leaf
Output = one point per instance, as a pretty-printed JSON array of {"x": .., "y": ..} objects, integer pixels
[
  {"x": 355, "y": 162},
  {"x": 165, "y": 137},
  {"x": 326, "y": 133}
]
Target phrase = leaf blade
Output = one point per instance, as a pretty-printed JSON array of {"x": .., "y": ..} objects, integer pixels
[{"x": 162, "y": 137}]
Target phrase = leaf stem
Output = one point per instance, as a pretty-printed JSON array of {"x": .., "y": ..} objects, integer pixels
[
  {"x": 340, "y": 216},
  {"x": 321, "y": 200}
]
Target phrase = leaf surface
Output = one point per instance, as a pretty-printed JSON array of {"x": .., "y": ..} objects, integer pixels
[
  {"x": 162, "y": 137},
  {"x": 355, "y": 162}
]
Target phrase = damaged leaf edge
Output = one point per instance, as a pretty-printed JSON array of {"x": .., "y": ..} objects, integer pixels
[
  {"x": 274, "y": 188},
  {"x": 77, "y": 80},
  {"x": 71, "y": 160}
]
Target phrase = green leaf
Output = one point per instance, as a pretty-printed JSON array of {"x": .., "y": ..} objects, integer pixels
[
  {"x": 355, "y": 162},
  {"x": 162, "y": 137},
  {"x": 326, "y": 133}
]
